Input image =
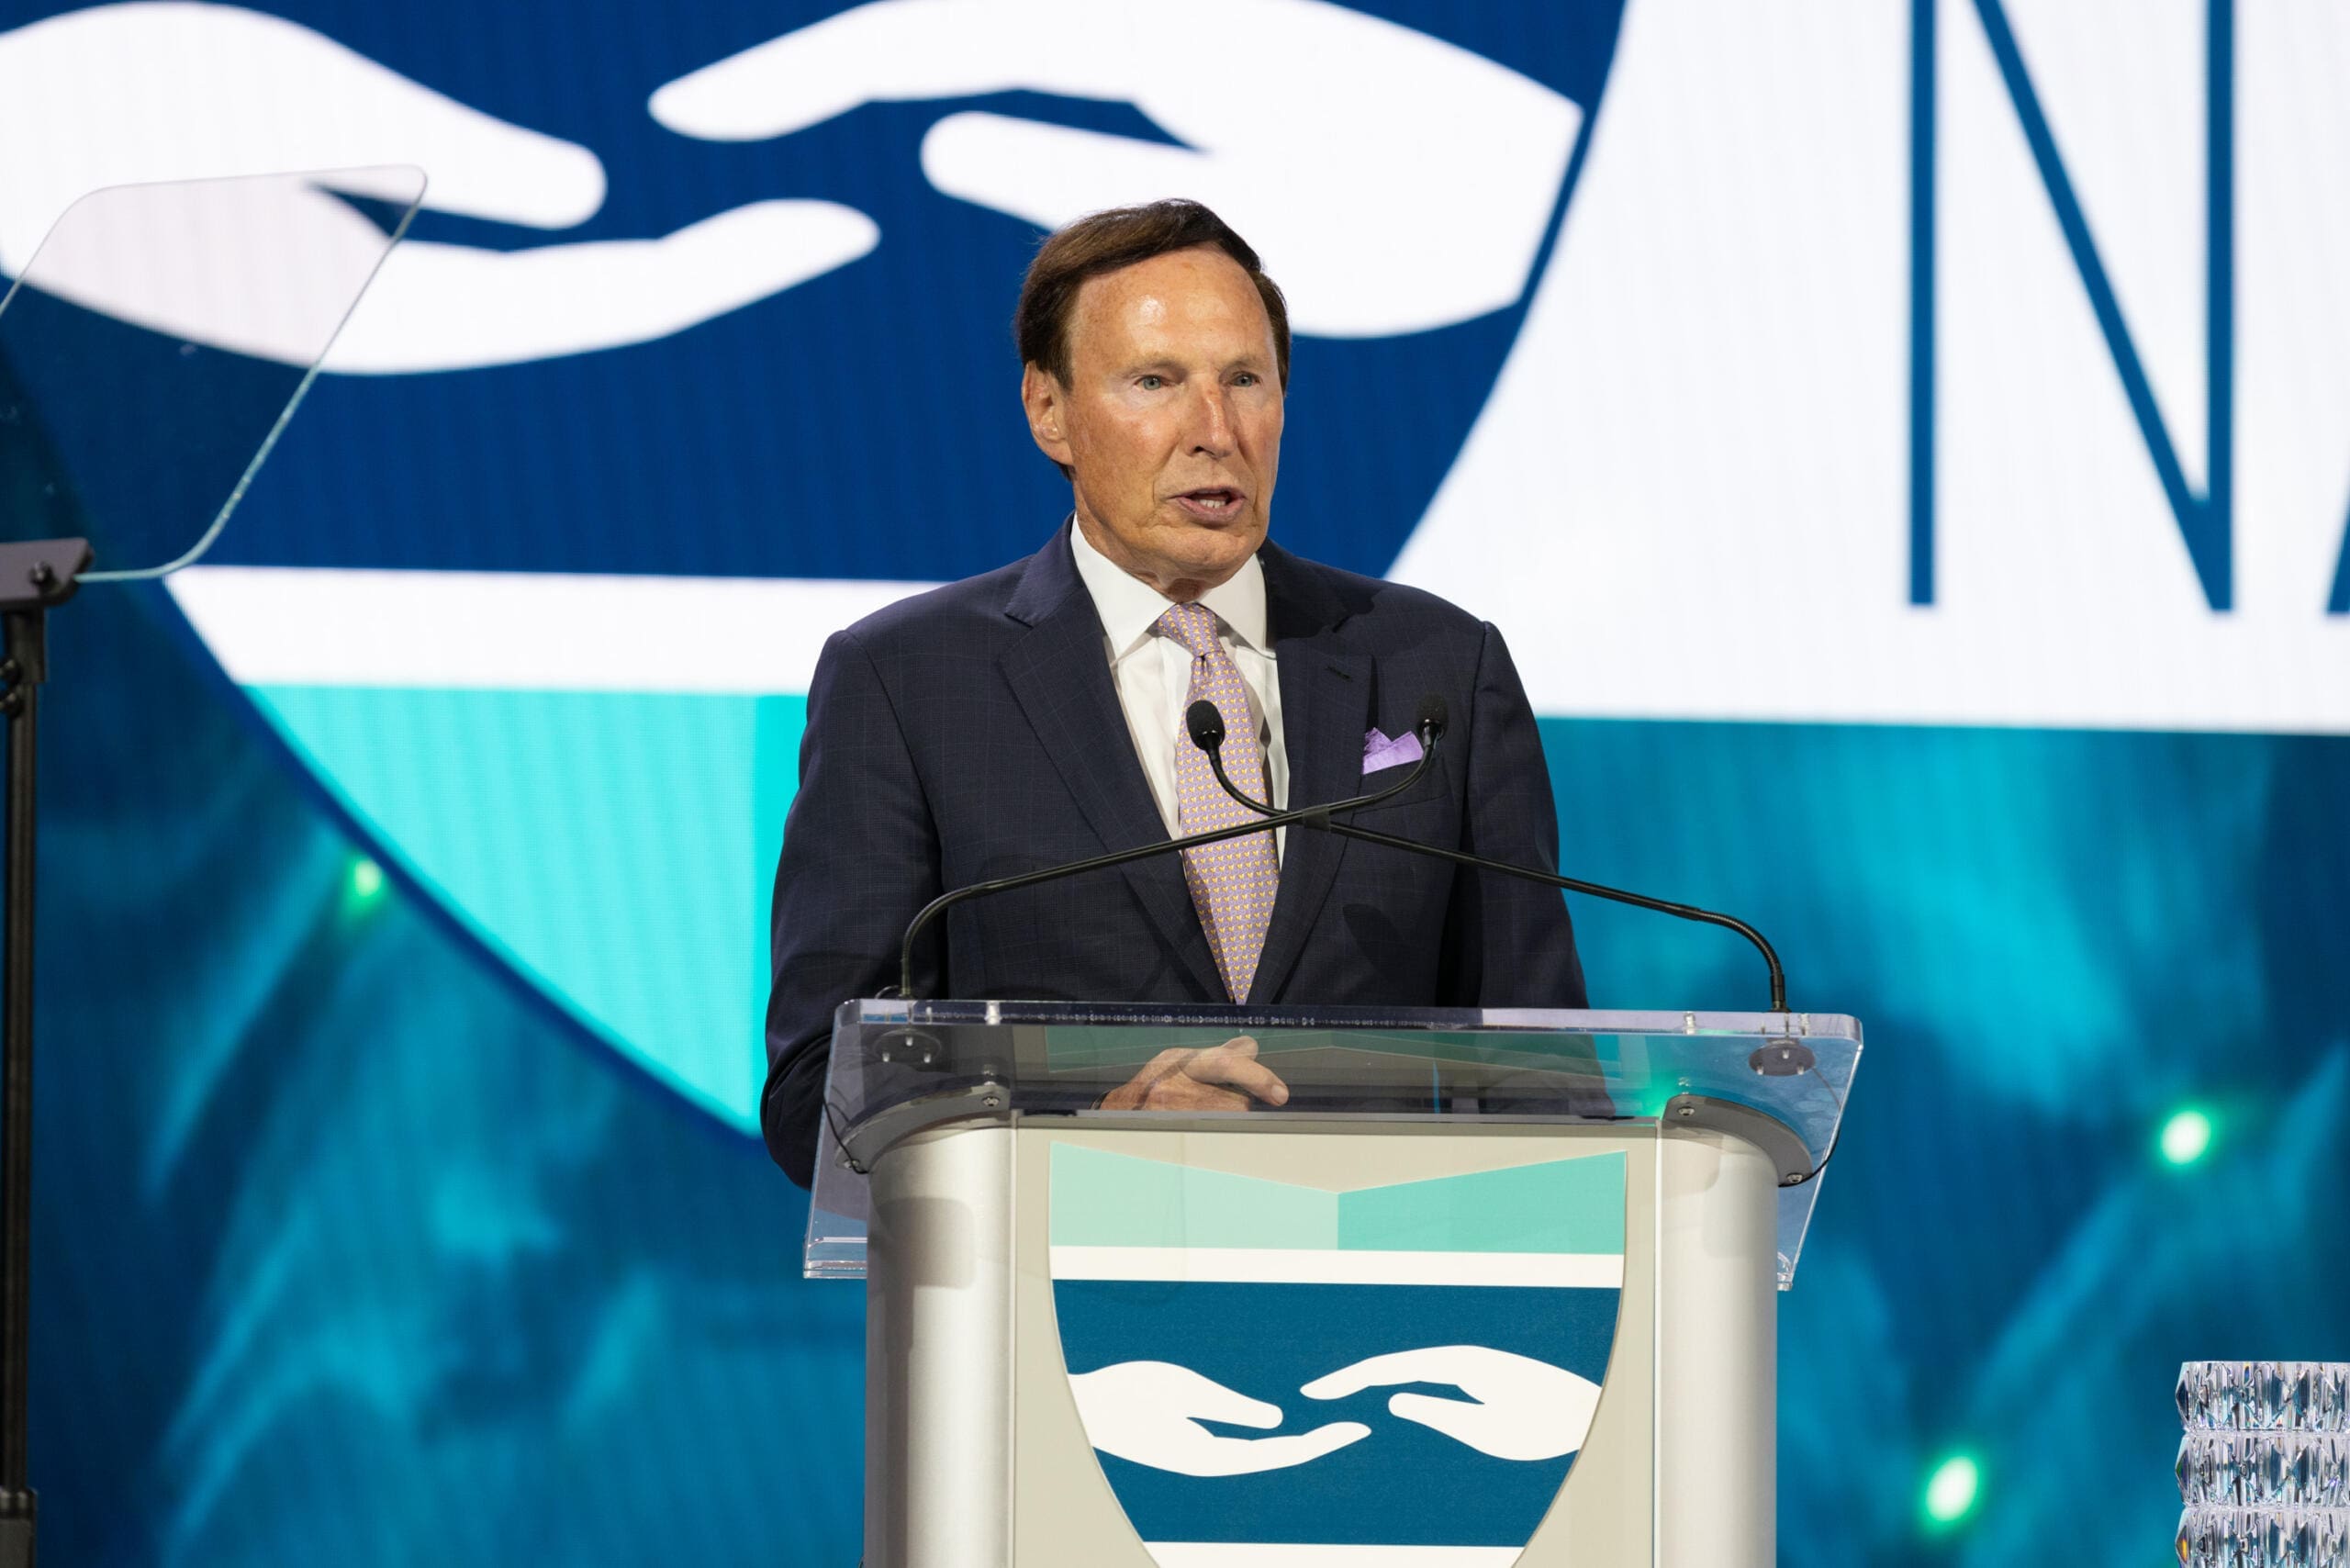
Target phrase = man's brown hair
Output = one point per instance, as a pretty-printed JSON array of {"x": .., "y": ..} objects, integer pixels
[{"x": 1104, "y": 242}]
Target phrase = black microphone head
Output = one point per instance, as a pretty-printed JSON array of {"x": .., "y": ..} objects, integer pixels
[
  {"x": 1433, "y": 715},
  {"x": 1205, "y": 724}
]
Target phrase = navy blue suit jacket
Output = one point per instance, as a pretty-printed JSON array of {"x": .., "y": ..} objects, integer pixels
[{"x": 974, "y": 732}]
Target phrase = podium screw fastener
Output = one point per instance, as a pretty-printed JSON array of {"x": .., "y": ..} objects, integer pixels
[
  {"x": 42, "y": 574},
  {"x": 1783, "y": 1057}
]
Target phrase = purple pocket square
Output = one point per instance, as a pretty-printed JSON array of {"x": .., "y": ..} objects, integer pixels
[{"x": 1379, "y": 752}]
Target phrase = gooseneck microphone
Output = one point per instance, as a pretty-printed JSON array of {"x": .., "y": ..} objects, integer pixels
[
  {"x": 1206, "y": 728},
  {"x": 1315, "y": 816}
]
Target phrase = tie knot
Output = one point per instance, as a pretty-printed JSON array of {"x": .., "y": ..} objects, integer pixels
[{"x": 1193, "y": 625}]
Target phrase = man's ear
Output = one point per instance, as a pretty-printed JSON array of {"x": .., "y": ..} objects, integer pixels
[{"x": 1047, "y": 403}]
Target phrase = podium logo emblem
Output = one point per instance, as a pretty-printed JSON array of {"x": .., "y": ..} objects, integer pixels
[{"x": 1267, "y": 1370}]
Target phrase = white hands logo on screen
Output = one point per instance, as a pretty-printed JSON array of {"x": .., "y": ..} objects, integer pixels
[
  {"x": 1351, "y": 119},
  {"x": 1514, "y": 1408},
  {"x": 126, "y": 93},
  {"x": 1391, "y": 182}
]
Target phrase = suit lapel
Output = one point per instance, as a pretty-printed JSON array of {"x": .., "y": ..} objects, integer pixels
[
  {"x": 1061, "y": 678},
  {"x": 1327, "y": 693}
]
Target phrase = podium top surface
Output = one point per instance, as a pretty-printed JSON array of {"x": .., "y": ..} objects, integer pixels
[{"x": 1776, "y": 1079}]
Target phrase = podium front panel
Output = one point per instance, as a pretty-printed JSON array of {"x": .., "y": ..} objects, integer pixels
[
  {"x": 1522, "y": 1326},
  {"x": 1229, "y": 1347}
]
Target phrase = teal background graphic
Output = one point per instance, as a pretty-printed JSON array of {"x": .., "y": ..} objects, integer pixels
[{"x": 481, "y": 795}]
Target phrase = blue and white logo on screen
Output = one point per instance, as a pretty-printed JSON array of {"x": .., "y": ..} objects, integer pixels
[
  {"x": 626, "y": 426},
  {"x": 1270, "y": 1372},
  {"x": 1847, "y": 373}
]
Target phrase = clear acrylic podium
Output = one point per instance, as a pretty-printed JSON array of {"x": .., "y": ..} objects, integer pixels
[{"x": 1490, "y": 1288}]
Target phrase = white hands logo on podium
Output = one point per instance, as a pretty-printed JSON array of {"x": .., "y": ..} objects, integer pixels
[
  {"x": 1503, "y": 1286},
  {"x": 1515, "y": 1408},
  {"x": 1310, "y": 140},
  {"x": 1150, "y": 1412}
]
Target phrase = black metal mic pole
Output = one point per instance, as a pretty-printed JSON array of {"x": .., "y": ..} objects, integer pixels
[
  {"x": 1206, "y": 728},
  {"x": 1312, "y": 815},
  {"x": 33, "y": 577}
]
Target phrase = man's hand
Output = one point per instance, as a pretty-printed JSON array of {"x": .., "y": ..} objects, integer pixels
[{"x": 1222, "y": 1078}]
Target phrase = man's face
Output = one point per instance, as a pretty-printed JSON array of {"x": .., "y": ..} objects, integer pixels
[{"x": 1171, "y": 420}]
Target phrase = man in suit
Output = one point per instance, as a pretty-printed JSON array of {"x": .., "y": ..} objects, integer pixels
[{"x": 1035, "y": 715}]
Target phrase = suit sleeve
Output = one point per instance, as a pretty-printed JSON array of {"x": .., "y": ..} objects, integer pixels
[
  {"x": 860, "y": 858},
  {"x": 1508, "y": 941}
]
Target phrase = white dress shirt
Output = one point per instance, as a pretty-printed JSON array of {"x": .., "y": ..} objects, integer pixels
[{"x": 1153, "y": 674}]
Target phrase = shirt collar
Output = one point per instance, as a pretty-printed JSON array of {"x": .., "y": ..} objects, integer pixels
[{"x": 1129, "y": 607}]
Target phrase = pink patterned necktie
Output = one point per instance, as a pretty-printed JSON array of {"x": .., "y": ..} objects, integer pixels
[{"x": 1233, "y": 882}]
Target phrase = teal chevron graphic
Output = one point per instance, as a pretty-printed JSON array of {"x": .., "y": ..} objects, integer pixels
[
  {"x": 1559, "y": 1208},
  {"x": 531, "y": 815}
]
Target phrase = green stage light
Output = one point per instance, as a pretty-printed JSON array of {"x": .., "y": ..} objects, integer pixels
[
  {"x": 1952, "y": 1490},
  {"x": 366, "y": 879},
  {"x": 2186, "y": 1136}
]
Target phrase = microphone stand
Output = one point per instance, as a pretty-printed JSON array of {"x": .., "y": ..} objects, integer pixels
[
  {"x": 35, "y": 577},
  {"x": 1209, "y": 738},
  {"x": 1315, "y": 816}
]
